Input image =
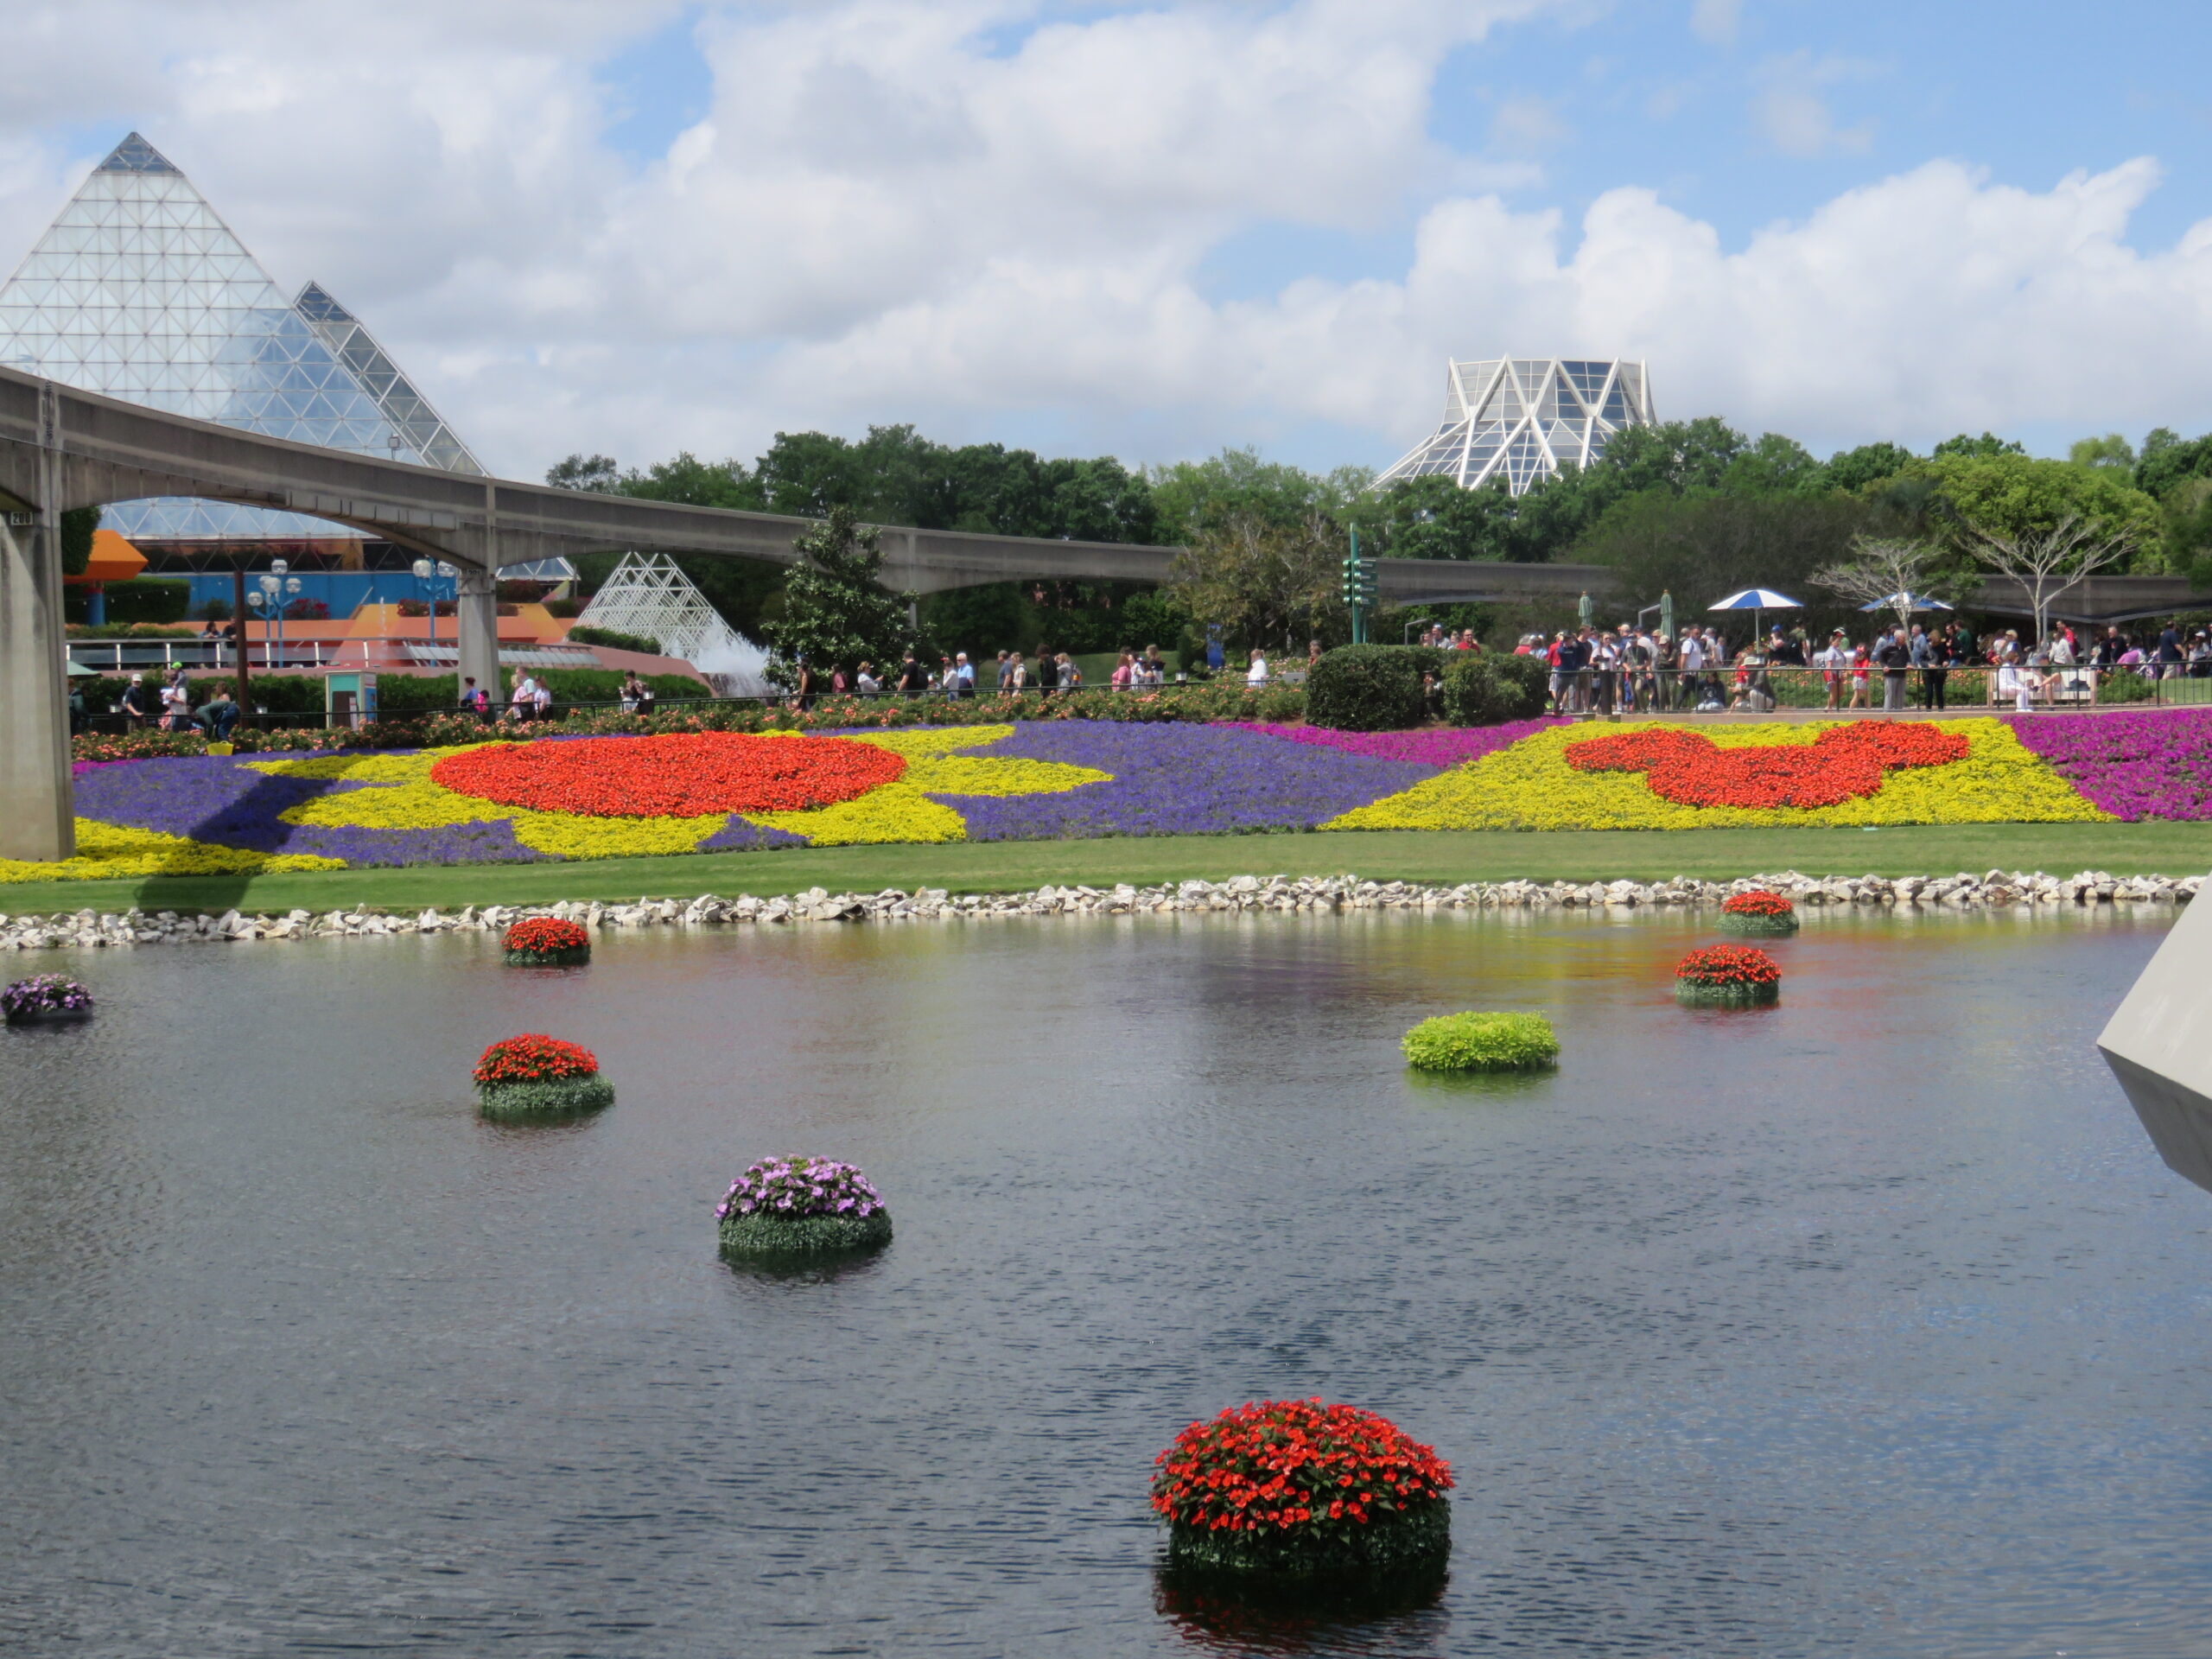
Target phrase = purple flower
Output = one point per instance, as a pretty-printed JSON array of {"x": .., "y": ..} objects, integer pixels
[
  {"x": 2152, "y": 764},
  {"x": 1438, "y": 746}
]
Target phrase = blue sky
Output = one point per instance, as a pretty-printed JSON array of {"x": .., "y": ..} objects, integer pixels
[{"x": 645, "y": 225}]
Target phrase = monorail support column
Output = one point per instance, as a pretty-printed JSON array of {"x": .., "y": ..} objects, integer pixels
[
  {"x": 37, "y": 817},
  {"x": 477, "y": 613}
]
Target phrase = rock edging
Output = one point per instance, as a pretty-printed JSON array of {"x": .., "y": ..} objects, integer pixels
[{"x": 1995, "y": 889}]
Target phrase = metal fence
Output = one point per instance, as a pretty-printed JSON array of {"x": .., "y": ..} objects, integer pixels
[{"x": 1766, "y": 688}]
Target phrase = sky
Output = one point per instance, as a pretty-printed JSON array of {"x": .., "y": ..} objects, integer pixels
[{"x": 639, "y": 226}]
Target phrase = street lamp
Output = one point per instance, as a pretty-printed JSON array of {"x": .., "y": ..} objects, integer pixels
[{"x": 276, "y": 588}]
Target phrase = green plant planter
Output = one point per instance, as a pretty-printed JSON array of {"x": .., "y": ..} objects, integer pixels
[
  {"x": 50, "y": 1017},
  {"x": 1412, "y": 1540},
  {"x": 804, "y": 1235},
  {"x": 571, "y": 958},
  {"x": 553, "y": 1097},
  {"x": 1482, "y": 1042},
  {"x": 1692, "y": 994},
  {"x": 1757, "y": 927}
]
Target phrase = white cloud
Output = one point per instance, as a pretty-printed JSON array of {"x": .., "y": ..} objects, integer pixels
[
  {"x": 890, "y": 212},
  {"x": 1794, "y": 113},
  {"x": 1715, "y": 22}
]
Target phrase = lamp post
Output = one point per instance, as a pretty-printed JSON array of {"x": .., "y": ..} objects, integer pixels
[
  {"x": 423, "y": 571},
  {"x": 276, "y": 588}
]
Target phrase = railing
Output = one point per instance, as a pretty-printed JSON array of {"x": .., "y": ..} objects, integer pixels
[{"x": 1766, "y": 688}]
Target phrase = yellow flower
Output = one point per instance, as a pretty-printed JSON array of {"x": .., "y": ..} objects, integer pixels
[
  {"x": 400, "y": 794},
  {"x": 107, "y": 851},
  {"x": 1529, "y": 785}
]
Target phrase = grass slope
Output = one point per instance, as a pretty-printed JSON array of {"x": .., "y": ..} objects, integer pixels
[{"x": 978, "y": 867}]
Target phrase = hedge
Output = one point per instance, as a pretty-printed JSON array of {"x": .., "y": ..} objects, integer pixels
[
  {"x": 1482, "y": 1042},
  {"x": 1371, "y": 687},
  {"x": 1491, "y": 687}
]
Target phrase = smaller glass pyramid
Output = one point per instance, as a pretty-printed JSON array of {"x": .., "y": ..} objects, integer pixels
[{"x": 139, "y": 290}]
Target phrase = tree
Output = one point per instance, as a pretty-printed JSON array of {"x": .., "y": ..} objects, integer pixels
[
  {"x": 1264, "y": 580},
  {"x": 1775, "y": 465},
  {"x": 2168, "y": 460},
  {"x": 1700, "y": 548},
  {"x": 1883, "y": 570},
  {"x": 2048, "y": 562},
  {"x": 2111, "y": 453},
  {"x": 1432, "y": 517},
  {"x": 1854, "y": 470},
  {"x": 1193, "y": 496},
  {"x": 837, "y": 613},
  {"x": 1987, "y": 445},
  {"x": 2013, "y": 496},
  {"x": 579, "y": 472}
]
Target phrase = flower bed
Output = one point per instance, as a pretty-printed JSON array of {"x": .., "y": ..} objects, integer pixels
[
  {"x": 547, "y": 942},
  {"x": 1563, "y": 778},
  {"x": 536, "y": 1076},
  {"x": 1295, "y": 1489},
  {"x": 46, "y": 999},
  {"x": 1758, "y": 914},
  {"x": 1727, "y": 976},
  {"x": 802, "y": 1207},
  {"x": 2152, "y": 764},
  {"x": 489, "y": 799},
  {"x": 1482, "y": 1042}
]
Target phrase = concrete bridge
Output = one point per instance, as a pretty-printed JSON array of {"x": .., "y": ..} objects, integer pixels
[{"x": 62, "y": 448}]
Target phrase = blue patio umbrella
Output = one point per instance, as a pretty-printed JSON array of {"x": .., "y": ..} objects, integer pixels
[
  {"x": 1906, "y": 602},
  {"x": 1757, "y": 600}
]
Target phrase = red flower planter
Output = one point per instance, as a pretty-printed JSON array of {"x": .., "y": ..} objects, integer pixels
[
  {"x": 547, "y": 942},
  {"x": 1727, "y": 976},
  {"x": 537, "y": 1075}
]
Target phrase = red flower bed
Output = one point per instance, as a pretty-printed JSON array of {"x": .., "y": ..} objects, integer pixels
[
  {"x": 1842, "y": 764},
  {"x": 680, "y": 775},
  {"x": 533, "y": 1057},
  {"x": 1728, "y": 964},
  {"x": 541, "y": 934},
  {"x": 1759, "y": 902},
  {"x": 1283, "y": 1465}
]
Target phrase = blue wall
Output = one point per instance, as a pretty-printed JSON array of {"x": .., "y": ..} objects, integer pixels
[{"x": 343, "y": 591}]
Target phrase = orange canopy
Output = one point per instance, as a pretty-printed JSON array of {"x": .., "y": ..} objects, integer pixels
[{"x": 113, "y": 560}]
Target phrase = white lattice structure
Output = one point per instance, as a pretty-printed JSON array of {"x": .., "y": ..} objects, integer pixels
[
  {"x": 1523, "y": 418},
  {"x": 649, "y": 595}
]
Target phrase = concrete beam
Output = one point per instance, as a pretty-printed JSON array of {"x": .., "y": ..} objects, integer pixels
[
  {"x": 37, "y": 809},
  {"x": 2158, "y": 1043},
  {"x": 476, "y": 613}
]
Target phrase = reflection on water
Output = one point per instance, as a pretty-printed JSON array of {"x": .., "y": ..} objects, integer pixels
[{"x": 1870, "y": 1322}]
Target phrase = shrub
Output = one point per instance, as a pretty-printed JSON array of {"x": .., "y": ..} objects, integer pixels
[
  {"x": 547, "y": 942},
  {"x": 1727, "y": 974},
  {"x": 802, "y": 1206},
  {"x": 1758, "y": 914},
  {"x": 537, "y": 1075},
  {"x": 1366, "y": 689},
  {"x": 613, "y": 639},
  {"x": 1293, "y": 1488},
  {"x": 1491, "y": 689},
  {"x": 45, "y": 996},
  {"x": 1482, "y": 1042}
]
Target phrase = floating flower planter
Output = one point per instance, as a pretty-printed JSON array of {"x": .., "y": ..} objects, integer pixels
[
  {"x": 534, "y": 1076},
  {"x": 1758, "y": 915},
  {"x": 1727, "y": 977},
  {"x": 1482, "y": 1042},
  {"x": 547, "y": 942},
  {"x": 1289, "y": 1489},
  {"x": 46, "y": 1000},
  {"x": 789, "y": 1207}
]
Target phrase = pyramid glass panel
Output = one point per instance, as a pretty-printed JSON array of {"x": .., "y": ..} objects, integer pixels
[
  {"x": 1529, "y": 416},
  {"x": 139, "y": 290}
]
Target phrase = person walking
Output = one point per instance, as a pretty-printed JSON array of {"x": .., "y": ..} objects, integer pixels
[
  {"x": 541, "y": 700},
  {"x": 1255, "y": 675},
  {"x": 1048, "y": 674},
  {"x": 913, "y": 678},
  {"x": 523, "y": 702},
  {"x": 1935, "y": 671},
  {"x": 1861, "y": 656},
  {"x": 1071, "y": 676}
]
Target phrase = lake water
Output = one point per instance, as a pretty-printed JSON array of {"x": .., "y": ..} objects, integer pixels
[{"x": 1869, "y": 1324}]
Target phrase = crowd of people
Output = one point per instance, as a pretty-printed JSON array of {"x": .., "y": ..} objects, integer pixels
[
  {"x": 1043, "y": 673},
  {"x": 1631, "y": 670}
]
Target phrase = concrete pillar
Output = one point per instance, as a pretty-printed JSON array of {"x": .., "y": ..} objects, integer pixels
[
  {"x": 37, "y": 813},
  {"x": 477, "y": 618}
]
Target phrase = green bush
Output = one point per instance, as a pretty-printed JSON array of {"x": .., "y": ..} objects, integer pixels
[
  {"x": 786, "y": 1236},
  {"x": 1482, "y": 1042},
  {"x": 1490, "y": 687},
  {"x": 545, "y": 1097},
  {"x": 1369, "y": 688},
  {"x": 1416, "y": 1537},
  {"x": 2121, "y": 686},
  {"x": 614, "y": 640}
]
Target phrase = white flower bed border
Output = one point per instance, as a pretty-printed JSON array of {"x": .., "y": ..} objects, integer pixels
[{"x": 1993, "y": 890}]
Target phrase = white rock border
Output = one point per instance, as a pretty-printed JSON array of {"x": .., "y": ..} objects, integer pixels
[{"x": 1994, "y": 889}]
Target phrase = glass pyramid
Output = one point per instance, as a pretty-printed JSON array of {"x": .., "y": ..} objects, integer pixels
[
  {"x": 138, "y": 291},
  {"x": 1519, "y": 420}
]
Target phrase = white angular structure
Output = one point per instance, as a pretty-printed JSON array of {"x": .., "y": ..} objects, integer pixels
[
  {"x": 139, "y": 290},
  {"x": 648, "y": 594},
  {"x": 1522, "y": 418},
  {"x": 2158, "y": 1043}
]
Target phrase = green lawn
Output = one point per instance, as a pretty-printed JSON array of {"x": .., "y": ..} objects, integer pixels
[{"x": 974, "y": 867}]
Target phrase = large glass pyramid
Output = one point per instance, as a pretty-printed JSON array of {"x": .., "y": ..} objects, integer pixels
[{"x": 138, "y": 291}]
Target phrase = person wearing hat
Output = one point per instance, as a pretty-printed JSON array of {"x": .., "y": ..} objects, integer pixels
[{"x": 138, "y": 702}]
